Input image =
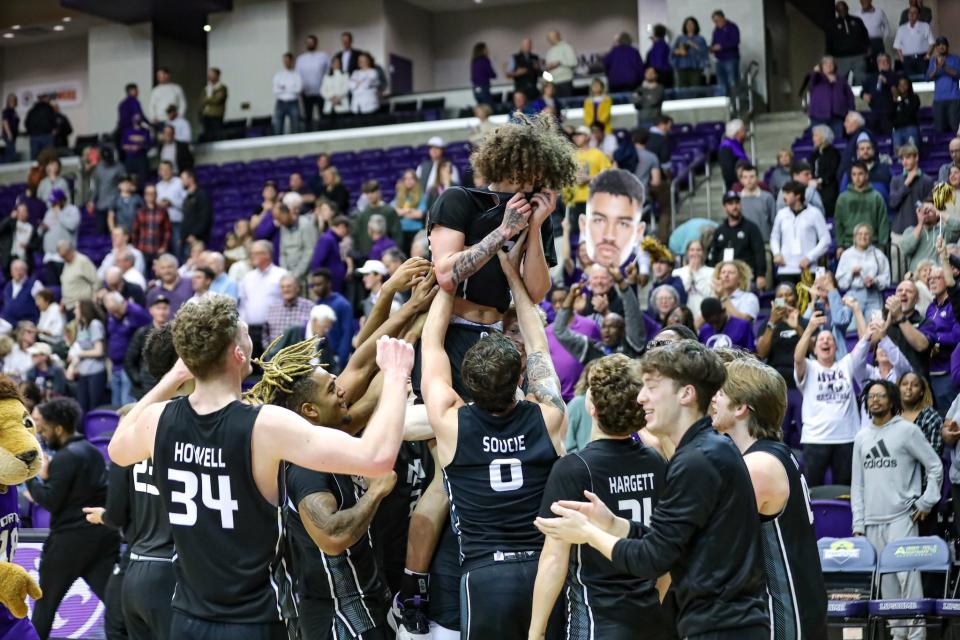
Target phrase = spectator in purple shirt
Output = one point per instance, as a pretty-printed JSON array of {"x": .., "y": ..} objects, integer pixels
[
  {"x": 169, "y": 283},
  {"x": 340, "y": 335},
  {"x": 658, "y": 56},
  {"x": 129, "y": 107},
  {"x": 124, "y": 320},
  {"x": 326, "y": 255},
  {"x": 377, "y": 230},
  {"x": 830, "y": 96},
  {"x": 720, "y": 330},
  {"x": 481, "y": 73},
  {"x": 725, "y": 46},
  {"x": 624, "y": 66},
  {"x": 943, "y": 333},
  {"x": 136, "y": 142}
]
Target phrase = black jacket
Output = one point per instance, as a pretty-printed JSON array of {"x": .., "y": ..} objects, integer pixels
[
  {"x": 746, "y": 241},
  {"x": 77, "y": 479},
  {"x": 41, "y": 119},
  {"x": 661, "y": 146},
  {"x": 705, "y": 531},
  {"x": 8, "y": 233},
  {"x": 847, "y": 37},
  {"x": 826, "y": 164},
  {"x": 197, "y": 215},
  {"x": 850, "y": 151},
  {"x": 135, "y": 365}
]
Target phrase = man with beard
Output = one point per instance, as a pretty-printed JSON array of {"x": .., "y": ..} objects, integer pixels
[
  {"x": 611, "y": 226},
  {"x": 740, "y": 235}
]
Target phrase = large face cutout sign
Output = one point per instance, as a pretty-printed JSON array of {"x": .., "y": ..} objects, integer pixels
[{"x": 611, "y": 228}]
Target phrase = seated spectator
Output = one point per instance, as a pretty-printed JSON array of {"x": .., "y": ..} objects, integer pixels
[
  {"x": 664, "y": 300},
  {"x": 18, "y": 238},
  {"x": 623, "y": 64},
  {"x": 152, "y": 230},
  {"x": 376, "y": 230},
  {"x": 802, "y": 172},
  {"x": 648, "y": 99},
  {"x": 376, "y": 206},
  {"x": 731, "y": 150},
  {"x": 878, "y": 92},
  {"x": 51, "y": 323},
  {"x": 918, "y": 242},
  {"x": 908, "y": 188},
  {"x": 364, "y": 86},
  {"x": 690, "y": 55},
  {"x": 878, "y": 172},
  {"x": 169, "y": 283},
  {"x": 830, "y": 96},
  {"x": 800, "y": 236},
  {"x": 194, "y": 259},
  {"x": 906, "y": 114},
  {"x": 781, "y": 171},
  {"x": 46, "y": 373},
  {"x": 758, "y": 205},
  {"x": 125, "y": 206},
  {"x": 855, "y": 130},
  {"x": 731, "y": 284},
  {"x": 943, "y": 335},
  {"x": 722, "y": 331},
  {"x": 859, "y": 204},
  {"x": 597, "y": 106},
  {"x": 830, "y": 417},
  {"x": 838, "y": 314},
  {"x": 18, "y": 302},
  {"x": 824, "y": 162},
  {"x": 740, "y": 235},
  {"x": 120, "y": 240},
  {"x": 780, "y": 335},
  {"x": 292, "y": 311},
  {"x": 335, "y": 90},
  {"x": 327, "y": 254},
  {"x": 864, "y": 271},
  {"x": 697, "y": 277},
  {"x": 408, "y": 203}
]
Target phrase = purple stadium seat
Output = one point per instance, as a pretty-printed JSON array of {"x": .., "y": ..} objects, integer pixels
[
  {"x": 40, "y": 517},
  {"x": 101, "y": 443},
  {"x": 100, "y": 422},
  {"x": 832, "y": 518}
]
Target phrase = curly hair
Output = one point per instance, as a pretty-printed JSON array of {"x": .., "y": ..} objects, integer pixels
[
  {"x": 61, "y": 412},
  {"x": 203, "y": 330},
  {"x": 285, "y": 375},
  {"x": 613, "y": 384},
  {"x": 529, "y": 151},
  {"x": 743, "y": 269},
  {"x": 490, "y": 372},
  {"x": 159, "y": 352}
]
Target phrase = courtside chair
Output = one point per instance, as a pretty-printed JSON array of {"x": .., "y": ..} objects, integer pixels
[{"x": 848, "y": 566}]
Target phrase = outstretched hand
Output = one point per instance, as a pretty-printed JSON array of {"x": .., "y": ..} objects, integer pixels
[
  {"x": 544, "y": 202},
  {"x": 424, "y": 293},
  {"x": 510, "y": 260},
  {"x": 408, "y": 275},
  {"x": 394, "y": 355}
]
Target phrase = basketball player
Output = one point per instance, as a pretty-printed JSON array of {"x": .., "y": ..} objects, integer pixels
[
  {"x": 705, "y": 529},
  {"x": 134, "y": 505},
  {"x": 628, "y": 476},
  {"x": 496, "y": 455},
  {"x": 217, "y": 468},
  {"x": 750, "y": 409}
]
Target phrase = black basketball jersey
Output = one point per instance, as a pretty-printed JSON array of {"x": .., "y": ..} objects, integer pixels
[
  {"x": 151, "y": 537},
  {"x": 496, "y": 480},
  {"x": 628, "y": 477},
  {"x": 227, "y": 535},
  {"x": 791, "y": 562},
  {"x": 351, "y": 580}
]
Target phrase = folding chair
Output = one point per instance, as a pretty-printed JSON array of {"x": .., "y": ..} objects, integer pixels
[
  {"x": 848, "y": 566},
  {"x": 924, "y": 554},
  {"x": 832, "y": 518}
]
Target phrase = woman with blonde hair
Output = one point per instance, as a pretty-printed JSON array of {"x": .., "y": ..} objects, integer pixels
[
  {"x": 409, "y": 204},
  {"x": 696, "y": 276},
  {"x": 731, "y": 285}
]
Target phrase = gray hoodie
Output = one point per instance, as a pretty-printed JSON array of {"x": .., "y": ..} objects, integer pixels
[{"x": 886, "y": 473}]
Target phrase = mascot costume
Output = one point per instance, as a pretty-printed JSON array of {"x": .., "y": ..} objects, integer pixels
[{"x": 20, "y": 460}]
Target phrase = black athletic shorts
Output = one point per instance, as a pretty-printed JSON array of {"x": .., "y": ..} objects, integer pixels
[
  {"x": 459, "y": 338},
  {"x": 147, "y": 591},
  {"x": 445, "y": 573},
  {"x": 319, "y": 620},
  {"x": 185, "y": 627}
]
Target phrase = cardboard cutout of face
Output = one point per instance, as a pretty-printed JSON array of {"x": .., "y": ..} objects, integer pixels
[{"x": 611, "y": 228}]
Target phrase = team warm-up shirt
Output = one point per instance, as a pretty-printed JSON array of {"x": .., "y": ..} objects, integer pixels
[
  {"x": 349, "y": 582},
  {"x": 227, "y": 535},
  {"x": 476, "y": 213},
  {"x": 791, "y": 562},
  {"x": 628, "y": 477},
  {"x": 829, "y": 403},
  {"x": 706, "y": 532},
  {"x": 496, "y": 480}
]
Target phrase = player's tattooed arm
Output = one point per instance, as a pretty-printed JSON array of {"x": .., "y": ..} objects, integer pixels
[
  {"x": 469, "y": 261},
  {"x": 336, "y": 531},
  {"x": 542, "y": 381}
]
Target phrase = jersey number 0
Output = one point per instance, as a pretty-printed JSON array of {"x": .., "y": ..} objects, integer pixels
[{"x": 223, "y": 502}]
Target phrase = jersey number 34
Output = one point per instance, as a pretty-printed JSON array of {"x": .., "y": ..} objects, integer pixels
[{"x": 222, "y": 502}]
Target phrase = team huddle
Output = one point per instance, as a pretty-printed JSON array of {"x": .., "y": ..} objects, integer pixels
[{"x": 425, "y": 491}]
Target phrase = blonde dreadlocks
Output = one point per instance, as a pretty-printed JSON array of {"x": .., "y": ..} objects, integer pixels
[
  {"x": 282, "y": 371},
  {"x": 942, "y": 195}
]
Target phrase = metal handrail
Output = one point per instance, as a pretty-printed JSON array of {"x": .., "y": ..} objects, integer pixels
[{"x": 689, "y": 175}]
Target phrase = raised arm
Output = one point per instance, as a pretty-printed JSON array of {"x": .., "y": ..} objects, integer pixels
[
  {"x": 817, "y": 320},
  {"x": 636, "y": 336},
  {"x": 336, "y": 531},
  {"x": 454, "y": 263},
  {"x": 437, "y": 379},
  {"x": 536, "y": 272}
]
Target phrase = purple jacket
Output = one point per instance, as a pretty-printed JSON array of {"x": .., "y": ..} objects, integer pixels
[
  {"x": 735, "y": 146},
  {"x": 658, "y": 56},
  {"x": 941, "y": 329},
  {"x": 829, "y": 99},
  {"x": 728, "y": 37},
  {"x": 327, "y": 255},
  {"x": 481, "y": 72},
  {"x": 624, "y": 66},
  {"x": 740, "y": 333},
  {"x": 119, "y": 332},
  {"x": 128, "y": 108},
  {"x": 266, "y": 230},
  {"x": 567, "y": 366},
  {"x": 381, "y": 246}
]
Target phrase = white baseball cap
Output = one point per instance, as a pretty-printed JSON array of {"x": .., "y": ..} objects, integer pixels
[
  {"x": 373, "y": 266},
  {"x": 435, "y": 141}
]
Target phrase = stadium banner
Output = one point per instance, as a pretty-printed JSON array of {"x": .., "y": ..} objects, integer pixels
[
  {"x": 80, "y": 614},
  {"x": 68, "y": 93}
]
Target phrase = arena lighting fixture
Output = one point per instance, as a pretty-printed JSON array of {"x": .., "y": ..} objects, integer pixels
[
  {"x": 207, "y": 28},
  {"x": 8, "y": 35},
  {"x": 15, "y": 27},
  {"x": 66, "y": 19},
  {"x": 58, "y": 27},
  {"x": 548, "y": 76}
]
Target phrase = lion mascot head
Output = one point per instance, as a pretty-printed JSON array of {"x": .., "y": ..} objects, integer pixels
[{"x": 20, "y": 460}]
